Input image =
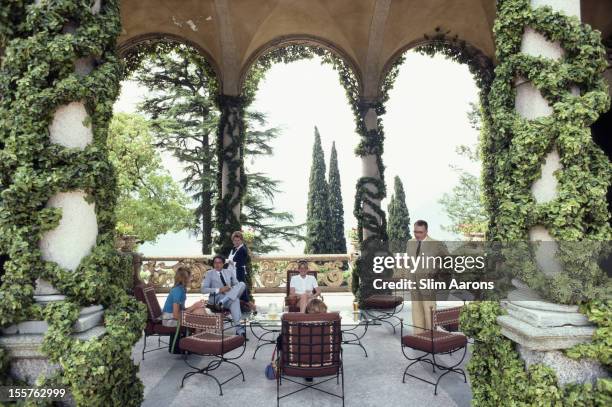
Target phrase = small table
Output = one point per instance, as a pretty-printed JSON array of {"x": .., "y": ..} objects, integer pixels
[{"x": 354, "y": 327}]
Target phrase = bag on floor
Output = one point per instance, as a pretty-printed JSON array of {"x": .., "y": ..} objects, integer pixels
[{"x": 272, "y": 368}]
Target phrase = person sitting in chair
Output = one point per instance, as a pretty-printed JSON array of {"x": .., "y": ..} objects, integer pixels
[
  {"x": 224, "y": 289},
  {"x": 303, "y": 287},
  {"x": 316, "y": 306},
  {"x": 175, "y": 301}
]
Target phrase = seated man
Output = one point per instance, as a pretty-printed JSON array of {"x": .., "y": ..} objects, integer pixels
[
  {"x": 301, "y": 286},
  {"x": 224, "y": 288}
]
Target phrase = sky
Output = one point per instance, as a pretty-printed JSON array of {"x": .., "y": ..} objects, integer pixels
[{"x": 426, "y": 120}]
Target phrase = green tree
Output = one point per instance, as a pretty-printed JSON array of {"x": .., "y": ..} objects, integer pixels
[
  {"x": 336, "y": 209},
  {"x": 398, "y": 225},
  {"x": 318, "y": 232},
  {"x": 150, "y": 202},
  {"x": 185, "y": 119},
  {"x": 464, "y": 205}
]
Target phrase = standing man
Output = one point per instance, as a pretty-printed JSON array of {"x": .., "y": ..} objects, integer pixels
[
  {"x": 224, "y": 289},
  {"x": 424, "y": 300}
]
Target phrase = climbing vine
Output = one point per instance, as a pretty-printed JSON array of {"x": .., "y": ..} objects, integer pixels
[
  {"x": 38, "y": 75},
  {"x": 517, "y": 148},
  {"x": 513, "y": 150},
  {"x": 498, "y": 376},
  {"x": 231, "y": 156}
]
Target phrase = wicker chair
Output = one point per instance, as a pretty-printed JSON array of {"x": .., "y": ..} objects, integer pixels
[
  {"x": 432, "y": 342},
  {"x": 310, "y": 347},
  {"x": 290, "y": 301},
  {"x": 146, "y": 294},
  {"x": 210, "y": 340}
]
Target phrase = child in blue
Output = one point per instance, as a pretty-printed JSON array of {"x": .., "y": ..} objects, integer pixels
[{"x": 175, "y": 302}]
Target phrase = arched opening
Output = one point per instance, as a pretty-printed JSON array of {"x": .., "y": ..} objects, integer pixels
[
  {"x": 166, "y": 117},
  {"x": 440, "y": 168}
]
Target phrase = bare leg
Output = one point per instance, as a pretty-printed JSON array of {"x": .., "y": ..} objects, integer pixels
[{"x": 304, "y": 298}]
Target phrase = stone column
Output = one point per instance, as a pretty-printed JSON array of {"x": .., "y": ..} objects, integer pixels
[
  {"x": 231, "y": 165},
  {"x": 369, "y": 165},
  {"x": 542, "y": 329},
  {"x": 67, "y": 244}
]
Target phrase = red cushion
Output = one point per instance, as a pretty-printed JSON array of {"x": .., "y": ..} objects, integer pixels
[
  {"x": 207, "y": 343},
  {"x": 382, "y": 301},
  {"x": 442, "y": 341}
]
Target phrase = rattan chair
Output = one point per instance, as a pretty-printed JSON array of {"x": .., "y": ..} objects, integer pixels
[
  {"x": 436, "y": 341},
  {"x": 310, "y": 347},
  {"x": 211, "y": 339}
]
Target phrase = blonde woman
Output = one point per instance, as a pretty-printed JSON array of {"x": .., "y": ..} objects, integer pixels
[
  {"x": 238, "y": 257},
  {"x": 175, "y": 302},
  {"x": 316, "y": 306}
]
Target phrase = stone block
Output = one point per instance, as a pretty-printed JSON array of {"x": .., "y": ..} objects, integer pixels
[
  {"x": 528, "y": 298},
  {"x": 566, "y": 369},
  {"x": 43, "y": 287},
  {"x": 544, "y": 338},
  {"x": 544, "y": 319}
]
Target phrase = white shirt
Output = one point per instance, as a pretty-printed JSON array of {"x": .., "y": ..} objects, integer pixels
[{"x": 303, "y": 285}]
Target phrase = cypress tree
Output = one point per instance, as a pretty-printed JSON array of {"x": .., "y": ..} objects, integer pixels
[
  {"x": 336, "y": 210},
  {"x": 398, "y": 226},
  {"x": 318, "y": 232}
]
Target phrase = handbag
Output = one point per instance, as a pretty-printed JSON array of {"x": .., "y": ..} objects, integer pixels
[{"x": 272, "y": 368}]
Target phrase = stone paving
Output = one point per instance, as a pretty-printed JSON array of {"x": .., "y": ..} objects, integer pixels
[{"x": 372, "y": 381}]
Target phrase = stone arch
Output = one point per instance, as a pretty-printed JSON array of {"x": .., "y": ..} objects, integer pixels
[
  {"x": 478, "y": 59},
  {"x": 132, "y": 43},
  {"x": 304, "y": 40}
]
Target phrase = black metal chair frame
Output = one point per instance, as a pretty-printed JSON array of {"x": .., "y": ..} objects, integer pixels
[
  {"x": 387, "y": 316},
  {"x": 430, "y": 357},
  {"x": 218, "y": 360},
  {"x": 159, "y": 343},
  {"x": 150, "y": 318},
  {"x": 339, "y": 376}
]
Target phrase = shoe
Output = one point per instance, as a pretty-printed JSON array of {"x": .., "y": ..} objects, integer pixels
[
  {"x": 308, "y": 379},
  {"x": 243, "y": 334},
  {"x": 225, "y": 302}
]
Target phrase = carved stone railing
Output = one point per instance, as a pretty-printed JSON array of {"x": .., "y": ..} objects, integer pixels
[{"x": 269, "y": 271}]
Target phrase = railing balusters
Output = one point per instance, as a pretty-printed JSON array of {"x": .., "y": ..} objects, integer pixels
[{"x": 269, "y": 270}]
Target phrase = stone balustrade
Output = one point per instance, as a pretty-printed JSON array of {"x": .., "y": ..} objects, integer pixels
[{"x": 269, "y": 271}]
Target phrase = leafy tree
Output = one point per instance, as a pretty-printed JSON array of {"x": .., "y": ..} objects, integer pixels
[
  {"x": 185, "y": 121},
  {"x": 463, "y": 204},
  {"x": 318, "y": 233},
  {"x": 398, "y": 225},
  {"x": 336, "y": 209},
  {"x": 150, "y": 202}
]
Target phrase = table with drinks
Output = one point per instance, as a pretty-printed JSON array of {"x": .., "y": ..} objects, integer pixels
[{"x": 266, "y": 327}]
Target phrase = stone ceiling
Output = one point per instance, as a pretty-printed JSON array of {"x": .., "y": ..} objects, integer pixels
[{"x": 369, "y": 34}]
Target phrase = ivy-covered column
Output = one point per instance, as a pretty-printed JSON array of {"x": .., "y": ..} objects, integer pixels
[
  {"x": 550, "y": 183},
  {"x": 371, "y": 219},
  {"x": 231, "y": 175},
  {"x": 59, "y": 79}
]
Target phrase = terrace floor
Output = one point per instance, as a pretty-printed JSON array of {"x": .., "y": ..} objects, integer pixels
[{"x": 372, "y": 381}]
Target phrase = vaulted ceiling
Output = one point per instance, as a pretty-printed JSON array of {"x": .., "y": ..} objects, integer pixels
[{"x": 367, "y": 33}]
